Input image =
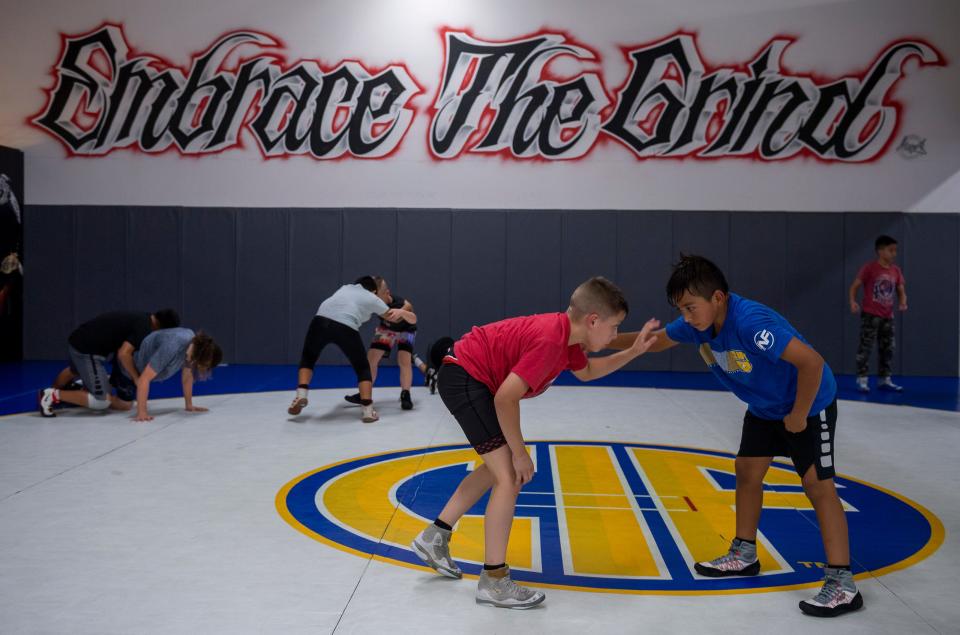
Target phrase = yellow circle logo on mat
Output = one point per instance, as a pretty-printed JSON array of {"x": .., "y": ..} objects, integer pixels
[{"x": 602, "y": 516}]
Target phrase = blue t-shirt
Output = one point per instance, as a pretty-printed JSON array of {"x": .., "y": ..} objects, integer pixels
[{"x": 745, "y": 357}]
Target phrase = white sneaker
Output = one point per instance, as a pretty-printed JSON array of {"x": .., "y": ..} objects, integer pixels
[
  {"x": 369, "y": 414},
  {"x": 887, "y": 384},
  {"x": 504, "y": 593},
  {"x": 46, "y": 400},
  {"x": 863, "y": 384},
  {"x": 299, "y": 403}
]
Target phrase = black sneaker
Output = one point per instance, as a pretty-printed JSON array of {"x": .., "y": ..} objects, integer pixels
[
  {"x": 405, "y": 401},
  {"x": 741, "y": 559},
  {"x": 354, "y": 399},
  {"x": 838, "y": 595}
]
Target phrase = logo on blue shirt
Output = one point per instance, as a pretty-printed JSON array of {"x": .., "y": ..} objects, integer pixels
[{"x": 763, "y": 339}]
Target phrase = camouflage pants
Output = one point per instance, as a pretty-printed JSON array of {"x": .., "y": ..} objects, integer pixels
[{"x": 872, "y": 328}]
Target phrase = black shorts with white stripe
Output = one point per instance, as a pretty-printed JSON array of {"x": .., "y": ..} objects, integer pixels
[{"x": 813, "y": 446}]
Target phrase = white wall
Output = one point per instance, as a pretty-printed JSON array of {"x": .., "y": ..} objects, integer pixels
[{"x": 833, "y": 39}]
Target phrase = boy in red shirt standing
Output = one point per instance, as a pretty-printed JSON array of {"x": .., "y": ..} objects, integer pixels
[
  {"x": 481, "y": 382},
  {"x": 881, "y": 279}
]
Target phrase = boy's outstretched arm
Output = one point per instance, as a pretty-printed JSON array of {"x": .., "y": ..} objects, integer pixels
[
  {"x": 599, "y": 366},
  {"x": 626, "y": 340},
  {"x": 809, "y": 365}
]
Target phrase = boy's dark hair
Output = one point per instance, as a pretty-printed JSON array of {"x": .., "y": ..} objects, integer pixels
[
  {"x": 697, "y": 275},
  {"x": 167, "y": 318},
  {"x": 367, "y": 282},
  {"x": 598, "y": 295},
  {"x": 206, "y": 355},
  {"x": 883, "y": 241}
]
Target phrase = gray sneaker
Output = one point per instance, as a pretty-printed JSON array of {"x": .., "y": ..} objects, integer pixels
[
  {"x": 838, "y": 595},
  {"x": 504, "y": 593},
  {"x": 432, "y": 545},
  {"x": 741, "y": 559}
]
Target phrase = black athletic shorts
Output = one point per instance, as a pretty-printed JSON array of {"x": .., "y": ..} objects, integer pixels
[
  {"x": 471, "y": 404},
  {"x": 813, "y": 446},
  {"x": 325, "y": 331}
]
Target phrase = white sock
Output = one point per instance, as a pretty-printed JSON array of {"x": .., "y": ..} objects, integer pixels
[{"x": 302, "y": 393}]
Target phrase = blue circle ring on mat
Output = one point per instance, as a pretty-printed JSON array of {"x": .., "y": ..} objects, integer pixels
[{"x": 603, "y": 516}]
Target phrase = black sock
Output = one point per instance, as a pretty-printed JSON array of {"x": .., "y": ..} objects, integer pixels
[
  {"x": 366, "y": 402},
  {"x": 845, "y": 567},
  {"x": 494, "y": 567},
  {"x": 442, "y": 525},
  {"x": 749, "y": 542},
  {"x": 303, "y": 385}
]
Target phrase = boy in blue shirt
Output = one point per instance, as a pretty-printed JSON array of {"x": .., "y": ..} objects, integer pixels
[{"x": 792, "y": 411}]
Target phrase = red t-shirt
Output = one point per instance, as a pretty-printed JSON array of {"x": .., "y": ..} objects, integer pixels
[
  {"x": 534, "y": 347},
  {"x": 880, "y": 288}
]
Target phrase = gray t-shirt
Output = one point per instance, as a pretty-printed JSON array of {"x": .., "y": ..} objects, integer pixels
[
  {"x": 164, "y": 350},
  {"x": 351, "y": 305}
]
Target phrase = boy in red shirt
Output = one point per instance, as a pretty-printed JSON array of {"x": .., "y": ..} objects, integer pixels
[
  {"x": 481, "y": 382},
  {"x": 881, "y": 279}
]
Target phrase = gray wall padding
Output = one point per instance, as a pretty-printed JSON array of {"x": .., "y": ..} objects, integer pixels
[{"x": 253, "y": 278}]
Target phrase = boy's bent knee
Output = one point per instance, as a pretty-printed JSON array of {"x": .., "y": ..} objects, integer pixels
[{"x": 97, "y": 404}]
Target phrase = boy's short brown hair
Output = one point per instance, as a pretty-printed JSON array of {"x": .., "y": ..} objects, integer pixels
[{"x": 598, "y": 295}]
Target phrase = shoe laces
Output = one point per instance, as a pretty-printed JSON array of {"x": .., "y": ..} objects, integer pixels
[
  {"x": 506, "y": 586},
  {"x": 831, "y": 589}
]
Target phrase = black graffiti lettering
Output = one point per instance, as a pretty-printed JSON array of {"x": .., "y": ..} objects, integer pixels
[
  {"x": 642, "y": 93},
  {"x": 494, "y": 97},
  {"x": 377, "y": 103},
  {"x": 289, "y": 91},
  {"x": 745, "y": 97},
  {"x": 868, "y": 104},
  {"x": 767, "y": 114},
  {"x": 78, "y": 81},
  {"x": 204, "y": 90},
  {"x": 155, "y": 137},
  {"x": 143, "y": 103},
  {"x": 576, "y": 98},
  {"x": 458, "y": 115},
  {"x": 701, "y": 111},
  {"x": 529, "y": 114},
  {"x": 255, "y": 75}
]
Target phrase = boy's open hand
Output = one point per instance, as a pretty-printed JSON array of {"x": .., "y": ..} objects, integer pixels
[
  {"x": 392, "y": 315},
  {"x": 646, "y": 337}
]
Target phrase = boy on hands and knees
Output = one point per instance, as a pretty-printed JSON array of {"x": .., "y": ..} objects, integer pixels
[
  {"x": 161, "y": 355},
  {"x": 110, "y": 337},
  {"x": 481, "y": 382},
  {"x": 791, "y": 411}
]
